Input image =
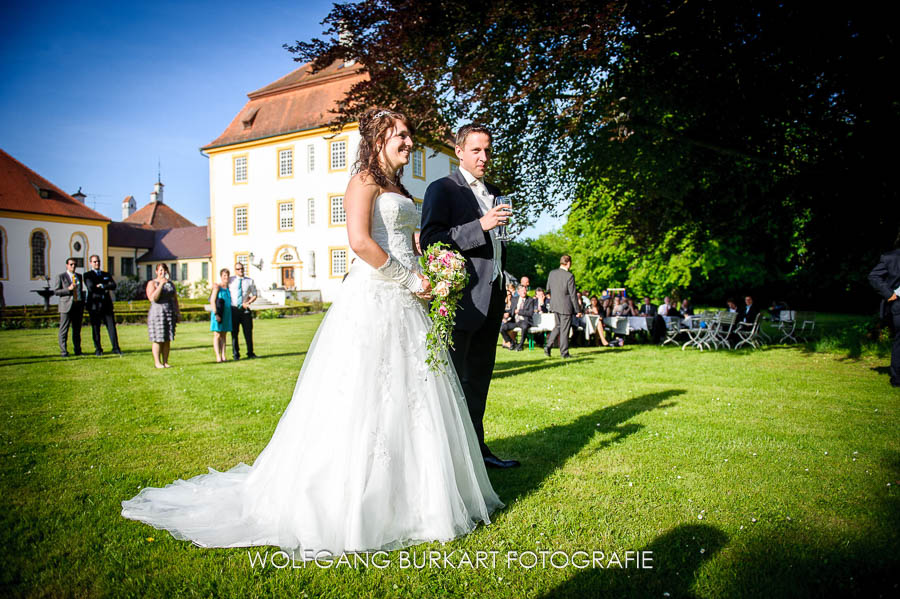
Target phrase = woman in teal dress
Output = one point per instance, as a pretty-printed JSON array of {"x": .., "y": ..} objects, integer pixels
[{"x": 220, "y": 323}]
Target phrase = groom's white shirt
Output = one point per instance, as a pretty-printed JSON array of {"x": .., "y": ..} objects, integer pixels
[{"x": 486, "y": 202}]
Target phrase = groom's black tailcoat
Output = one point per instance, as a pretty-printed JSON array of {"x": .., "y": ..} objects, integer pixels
[{"x": 450, "y": 214}]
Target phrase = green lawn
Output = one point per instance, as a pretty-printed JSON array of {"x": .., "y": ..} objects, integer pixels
[{"x": 750, "y": 473}]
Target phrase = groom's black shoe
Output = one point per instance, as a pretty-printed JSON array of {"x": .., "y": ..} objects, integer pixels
[
  {"x": 547, "y": 351},
  {"x": 492, "y": 461}
]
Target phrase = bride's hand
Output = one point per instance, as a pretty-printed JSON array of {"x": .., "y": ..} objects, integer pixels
[{"x": 426, "y": 288}]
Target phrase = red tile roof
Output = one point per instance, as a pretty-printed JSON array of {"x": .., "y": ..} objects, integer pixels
[
  {"x": 299, "y": 101},
  {"x": 157, "y": 215},
  {"x": 175, "y": 244},
  {"x": 130, "y": 235},
  {"x": 21, "y": 191}
]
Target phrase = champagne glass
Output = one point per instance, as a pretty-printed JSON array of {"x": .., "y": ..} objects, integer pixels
[{"x": 503, "y": 230}]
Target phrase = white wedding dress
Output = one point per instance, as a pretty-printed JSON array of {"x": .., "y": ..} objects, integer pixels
[{"x": 374, "y": 451}]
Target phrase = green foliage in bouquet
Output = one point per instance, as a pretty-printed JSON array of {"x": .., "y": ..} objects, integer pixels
[{"x": 445, "y": 269}]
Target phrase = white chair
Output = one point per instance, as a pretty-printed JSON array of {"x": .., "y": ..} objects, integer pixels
[
  {"x": 807, "y": 321},
  {"x": 787, "y": 324},
  {"x": 544, "y": 324},
  {"x": 748, "y": 333}
]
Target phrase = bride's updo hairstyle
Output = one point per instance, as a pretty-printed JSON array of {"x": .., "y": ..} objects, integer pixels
[{"x": 375, "y": 124}]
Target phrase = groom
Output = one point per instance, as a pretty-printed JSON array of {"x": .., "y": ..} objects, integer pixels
[{"x": 458, "y": 211}]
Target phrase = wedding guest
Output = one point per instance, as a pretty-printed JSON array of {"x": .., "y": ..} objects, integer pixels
[
  {"x": 647, "y": 308},
  {"x": 564, "y": 305},
  {"x": 521, "y": 317},
  {"x": 732, "y": 305},
  {"x": 100, "y": 305},
  {"x": 71, "y": 307},
  {"x": 507, "y": 313},
  {"x": 664, "y": 308},
  {"x": 686, "y": 308},
  {"x": 596, "y": 308},
  {"x": 543, "y": 302},
  {"x": 162, "y": 316},
  {"x": 748, "y": 314},
  {"x": 630, "y": 308},
  {"x": 606, "y": 307},
  {"x": 619, "y": 306},
  {"x": 220, "y": 321},
  {"x": 885, "y": 279},
  {"x": 243, "y": 293}
]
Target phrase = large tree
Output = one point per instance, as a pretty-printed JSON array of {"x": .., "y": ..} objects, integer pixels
[{"x": 711, "y": 144}]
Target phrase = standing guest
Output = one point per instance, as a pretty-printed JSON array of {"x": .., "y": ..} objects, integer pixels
[
  {"x": 100, "y": 306},
  {"x": 748, "y": 314},
  {"x": 564, "y": 304},
  {"x": 686, "y": 308},
  {"x": 522, "y": 317},
  {"x": 71, "y": 307},
  {"x": 647, "y": 308},
  {"x": 220, "y": 321},
  {"x": 243, "y": 293},
  {"x": 885, "y": 279},
  {"x": 542, "y": 303},
  {"x": 162, "y": 316}
]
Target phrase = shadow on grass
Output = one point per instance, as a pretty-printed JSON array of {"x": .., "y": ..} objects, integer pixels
[
  {"x": 676, "y": 557},
  {"x": 881, "y": 369},
  {"x": 544, "y": 451}
]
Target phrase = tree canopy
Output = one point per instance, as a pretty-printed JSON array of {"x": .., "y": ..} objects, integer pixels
[{"x": 696, "y": 145}]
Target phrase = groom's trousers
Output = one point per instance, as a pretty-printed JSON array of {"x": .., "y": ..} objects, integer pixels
[{"x": 473, "y": 355}]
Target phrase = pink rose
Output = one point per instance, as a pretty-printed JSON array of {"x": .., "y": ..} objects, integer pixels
[{"x": 442, "y": 310}]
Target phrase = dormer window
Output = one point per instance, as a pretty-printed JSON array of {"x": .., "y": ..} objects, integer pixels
[{"x": 247, "y": 119}]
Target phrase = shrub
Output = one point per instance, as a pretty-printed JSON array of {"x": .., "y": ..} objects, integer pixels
[{"x": 127, "y": 289}]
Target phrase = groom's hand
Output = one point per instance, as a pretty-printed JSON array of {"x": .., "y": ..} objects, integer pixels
[{"x": 498, "y": 215}]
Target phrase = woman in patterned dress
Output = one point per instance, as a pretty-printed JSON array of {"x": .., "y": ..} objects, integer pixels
[{"x": 162, "y": 316}]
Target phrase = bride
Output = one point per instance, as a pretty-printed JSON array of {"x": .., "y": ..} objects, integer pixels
[{"x": 374, "y": 451}]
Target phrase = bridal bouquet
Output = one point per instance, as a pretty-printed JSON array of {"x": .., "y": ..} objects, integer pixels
[{"x": 446, "y": 271}]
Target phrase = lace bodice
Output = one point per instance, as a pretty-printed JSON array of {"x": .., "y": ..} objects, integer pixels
[{"x": 393, "y": 223}]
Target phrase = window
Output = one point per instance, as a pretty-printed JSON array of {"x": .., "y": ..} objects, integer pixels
[
  {"x": 418, "y": 210},
  {"x": 338, "y": 154},
  {"x": 38, "y": 255},
  {"x": 173, "y": 268},
  {"x": 310, "y": 158},
  {"x": 112, "y": 267},
  {"x": 285, "y": 163},
  {"x": 127, "y": 267},
  {"x": 240, "y": 169},
  {"x": 338, "y": 262},
  {"x": 418, "y": 164},
  {"x": 243, "y": 258},
  {"x": 286, "y": 216},
  {"x": 311, "y": 211},
  {"x": 240, "y": 220},
  {"x": 2, "y": 253},
  {"x": 204, "y": 271},
  {"x": 184, "y": 274},
  {"x": 337, "y": 215},
  {"x": 149, "y": 272}
]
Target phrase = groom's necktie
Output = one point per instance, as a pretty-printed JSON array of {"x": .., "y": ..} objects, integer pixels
[{"x": 240, "y": 297}]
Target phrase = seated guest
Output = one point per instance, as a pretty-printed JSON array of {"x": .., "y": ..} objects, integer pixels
[
  {"x": 732, "y": 305},
  {"x": 776, "y": 308},
  {"x": 596, "y": 308},
  {"x": 664, "y": 307},
  {"x": 647, "y": 309},
  {"x": 542, "y": 303},
  {"x": 618, "y": 307},
  {"x": 630, "y": 308},
  {"x": 606, "y": 307},
  {"x": 522, "y": 316},
  {"x": 507, "y": 311},
  {"x": 748, "y": 314},
  {"x": 686, "y": 309}
]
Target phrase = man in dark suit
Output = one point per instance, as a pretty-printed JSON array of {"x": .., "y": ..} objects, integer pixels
[
  {"x": 885, "y": 278},
  {"x": 563, "y": 304},
  {"x": 458, "y": 210},
  {"x": 99, "y": 305},
  {"x": 647, "y": 309},
  {"x": 71, "y": 307},
  {"x": 522, "y": 317},
  {"x": 748, "y": 314}
]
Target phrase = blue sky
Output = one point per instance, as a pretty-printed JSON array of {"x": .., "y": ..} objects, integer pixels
[{"x": 94, "y": 93}]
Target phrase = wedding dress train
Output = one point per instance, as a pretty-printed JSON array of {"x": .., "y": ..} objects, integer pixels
[{"x": 374, "y": 451}]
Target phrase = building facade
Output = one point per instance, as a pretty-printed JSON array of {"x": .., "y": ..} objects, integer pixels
[
  {"x": 277, "y": 176},
  {"x": 41, "y": 226}
]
